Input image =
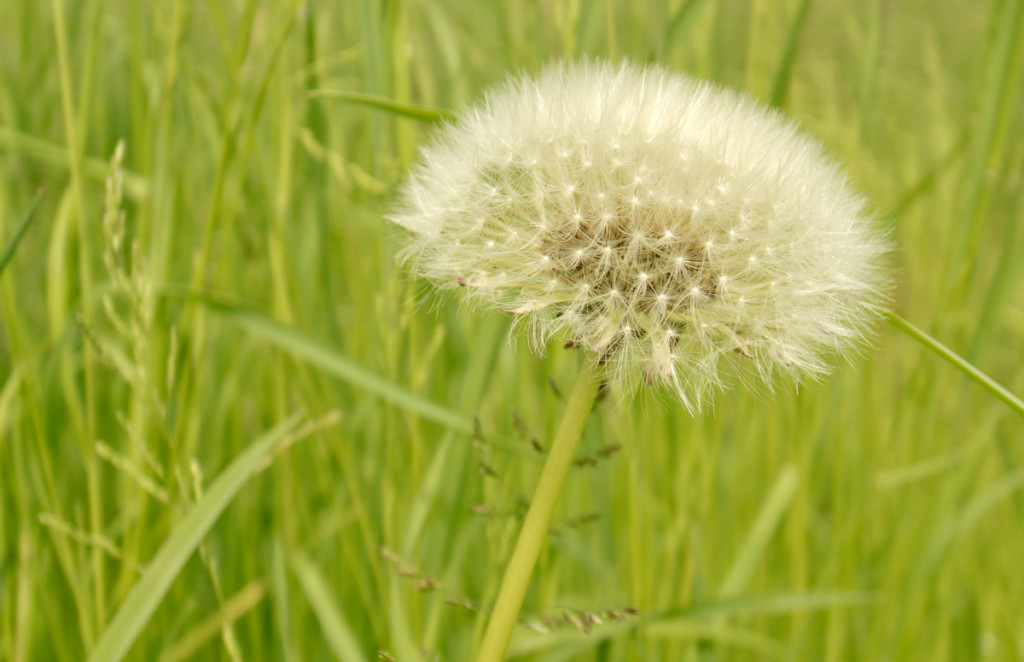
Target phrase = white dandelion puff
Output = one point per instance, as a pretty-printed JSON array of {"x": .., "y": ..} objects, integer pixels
[{"x": 677, "y": 229}]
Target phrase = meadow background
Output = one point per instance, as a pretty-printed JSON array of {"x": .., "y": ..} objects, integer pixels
[{"x": 225, "y": 325}]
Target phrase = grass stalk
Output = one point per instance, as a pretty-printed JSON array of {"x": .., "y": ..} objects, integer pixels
[
  {"x": 961, "y": 364},
  {"x": 75, "y": 156},
  {"x": 780, "y": 88},
  {"x": 144, "y": 598},
  {"x": 12, "y": 246}
]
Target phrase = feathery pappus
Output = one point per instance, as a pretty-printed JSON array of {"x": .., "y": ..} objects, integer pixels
[{"x": 680, "y": 231}]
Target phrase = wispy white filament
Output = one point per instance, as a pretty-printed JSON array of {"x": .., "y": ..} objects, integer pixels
[{"x": 676, "y": 229}]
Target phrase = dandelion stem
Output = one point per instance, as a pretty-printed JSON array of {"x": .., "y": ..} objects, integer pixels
[{"x": 538, "y": 518}]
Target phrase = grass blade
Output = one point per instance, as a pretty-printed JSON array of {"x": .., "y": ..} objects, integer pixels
[
  {"x": 682, "y": 19},
  {"x": 998, "y": 97},
  {"x": 143, "y": 599},
  {"x": 768, "y": 519},
  {"x": 782, "y": 78},
  {"x": 339, "y": 633},
  {"x": 421, "y": 113},
  {"x": 568, "y": 645},
  {"x": 50, "y": 153},
  {"x": 18, "y": 234},
  {"x": 440, "y": 472},
  {"x": 959, "y": 525},
  {"x": 869, "y": 70},
  {"x": 317, "y": 354},
  {"x": 690, "y": 623},
  {"x": 780, "y": 603},
  {"x": 240, "y": 604},
  {"x": 928, "y": 180},
  {"x": 961, "y": 364}
]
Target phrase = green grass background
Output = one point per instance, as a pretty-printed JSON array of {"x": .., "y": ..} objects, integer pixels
[{"x": 876, "y": 516}]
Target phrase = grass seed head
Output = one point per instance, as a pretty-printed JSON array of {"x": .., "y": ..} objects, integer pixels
[{"x": 676, "y": 229}]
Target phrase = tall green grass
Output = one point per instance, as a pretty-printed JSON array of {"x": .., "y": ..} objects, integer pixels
[{"x": 157, "y": 331}]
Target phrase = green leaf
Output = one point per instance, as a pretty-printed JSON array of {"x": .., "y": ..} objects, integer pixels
[
  {"x": 682, "y": 19},
  {"x": 778, "y": 603},
  {"x": 474, "y": 385},
  {"x": 200, "y": 636},
  {"x": 775, "y": 506},
  {"x": 19, "y": 233},
  {"x": 927, "y": 182},
  {"x": 146, "y": 595},
  {"x": 785, "y": 73},
  {"x": 340, "y": 635},
  {"x": 421, "y": 113},
  {"x": 12, "y": 140},
  {"x": 959, "y": 525},
  {"x": 327, "y": 359}
]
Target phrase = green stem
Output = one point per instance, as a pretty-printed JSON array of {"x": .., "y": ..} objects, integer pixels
[
  {"x": 538, "y": 518},
  {"x": 986, "y": 382}
]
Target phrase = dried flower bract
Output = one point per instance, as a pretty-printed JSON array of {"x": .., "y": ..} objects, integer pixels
[{"x": 676, "y": 229}]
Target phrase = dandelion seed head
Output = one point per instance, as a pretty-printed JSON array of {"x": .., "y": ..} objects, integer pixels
[{"x": 686, "y": 233}]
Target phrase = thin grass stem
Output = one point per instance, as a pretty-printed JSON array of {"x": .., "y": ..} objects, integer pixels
[
  {"x": 19, "y": 233},
  {"x": 959, "y": 362}
]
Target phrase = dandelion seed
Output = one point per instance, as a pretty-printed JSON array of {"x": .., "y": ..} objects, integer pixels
[{"x": 699, "y": 224}]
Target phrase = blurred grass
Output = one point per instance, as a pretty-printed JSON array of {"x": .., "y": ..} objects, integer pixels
[
  {"x": 878, "y": 515},
  {"x": 19, "y": 232}
]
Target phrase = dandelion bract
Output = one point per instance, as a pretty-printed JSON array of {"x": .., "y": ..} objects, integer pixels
[{"x": 676, "y": 229}]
